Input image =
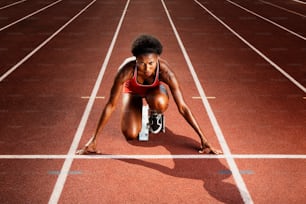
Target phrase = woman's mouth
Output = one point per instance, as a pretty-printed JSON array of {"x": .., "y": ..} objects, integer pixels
[{"x": 148, "y": 74}]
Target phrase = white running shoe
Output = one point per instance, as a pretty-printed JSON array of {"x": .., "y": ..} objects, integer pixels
[{"x": 157, "y": 122}]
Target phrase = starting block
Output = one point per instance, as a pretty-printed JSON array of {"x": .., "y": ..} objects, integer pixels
[{"x": 145, "y": 126}]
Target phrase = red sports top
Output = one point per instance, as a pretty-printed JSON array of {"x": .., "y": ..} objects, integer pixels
[{"x": 133, "y": 87}]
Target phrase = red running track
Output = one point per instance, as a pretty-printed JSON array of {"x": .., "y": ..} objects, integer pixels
[{"x": 260, "y": 113}]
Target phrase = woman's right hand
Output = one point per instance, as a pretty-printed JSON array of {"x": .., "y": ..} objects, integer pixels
[{"x": 89, "y": 148}]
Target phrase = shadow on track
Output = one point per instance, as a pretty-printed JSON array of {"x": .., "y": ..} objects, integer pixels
[{"x": 211, "y": 171}]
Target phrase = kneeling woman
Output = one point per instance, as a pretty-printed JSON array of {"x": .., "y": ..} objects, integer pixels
[{"x": 145, "y": 76}]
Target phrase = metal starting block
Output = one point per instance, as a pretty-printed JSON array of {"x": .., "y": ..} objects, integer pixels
[{"x": 144, "y": 133}]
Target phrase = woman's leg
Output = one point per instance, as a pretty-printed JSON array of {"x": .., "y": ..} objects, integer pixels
[
  {"x": 158, "y": 102},
  {"x": 158, "y": 99},
  {"x": 131, "y": 116}
]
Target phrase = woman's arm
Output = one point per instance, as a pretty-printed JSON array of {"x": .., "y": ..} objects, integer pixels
[
  {"x": 169, "y": 78},
  {"x": 124, "y": 73}
]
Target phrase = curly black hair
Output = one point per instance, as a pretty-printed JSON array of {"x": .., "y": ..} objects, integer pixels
[{"x": 145, "y": 44}]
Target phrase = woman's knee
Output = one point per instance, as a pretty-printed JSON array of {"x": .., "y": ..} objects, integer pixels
[
  {"x": 158, "y": 99},
  {"x": 159, "y": 102},
  {"x": 130, "y": 133},
  {"x": 130, "y": 128}
]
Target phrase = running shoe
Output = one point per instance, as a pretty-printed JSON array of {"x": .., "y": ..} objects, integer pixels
[{"x": 157, "y": 122}]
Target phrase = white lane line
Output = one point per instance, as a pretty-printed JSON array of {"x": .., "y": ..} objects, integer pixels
[
  {"x": 28, "y": 16},
  {"x": 12, "y": 69},
  {"x": 88, "y": 97},
  {"x": 199, "y": 97},
  {"x": 12, "y": 4},
  {"x": 158, "y": 156},
  {"x": 58, "y": 188},
  {"x": 269, "y": 156},
  {"x": 301, "y": 2},
  {"x": 282, "y": 8},
  {"x": 268, "y": 20},
  {"x": 231, "y": 162},
  {"x": 278, "y": 68}
]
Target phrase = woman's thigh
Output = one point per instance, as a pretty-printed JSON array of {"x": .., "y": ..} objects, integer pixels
[{"x": 131, "y": 115}]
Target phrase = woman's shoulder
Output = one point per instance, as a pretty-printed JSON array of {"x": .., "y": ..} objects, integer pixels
[
  {"x": 129, "y": 60},
  {"x": 163, "y": 63},
  {"x": 126, "y": 69},
  {"x": 164, "y": 66},
  {"x": 166, "y": 73},
  {"x": 128, "y": 63}
]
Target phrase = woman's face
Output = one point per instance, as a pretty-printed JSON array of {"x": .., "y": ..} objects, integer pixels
[{"x": 147, "y": 64}]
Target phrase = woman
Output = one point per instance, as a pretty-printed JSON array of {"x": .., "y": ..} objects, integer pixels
[{"x": 145, "y": 76}]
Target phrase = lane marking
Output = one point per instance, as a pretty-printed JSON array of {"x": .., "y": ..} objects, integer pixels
[
  {"x": 97, "y": 97},
  {"x": 28, "y": 16},
  {"x": 12, "y": 69},
  {"x": 301, "y": 2},
  {"x": 231, "y": 162},
  {"x": 57, "y": 172},
  {"x": 290, "y": 78},
  {"x": 58, "y": 188},
  {"x": 199, "y": 97},
  {"x": 282, "y": 8},
  {"x": 268, "y": 20},
  {"x": 157, "y": 156},
  {"x": 12, "y": 4}
]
